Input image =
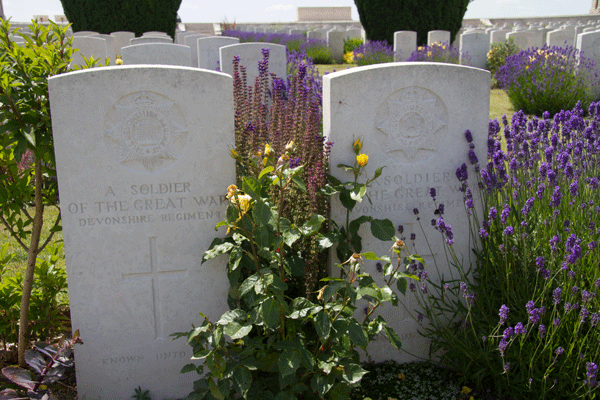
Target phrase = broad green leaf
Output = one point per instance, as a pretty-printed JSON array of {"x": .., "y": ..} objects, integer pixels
[
  {"x": 231, "y": 315},
  {"x": 340, "y": 391},
  {"x": 269, "y": 311},
  {"x": 378, "y": 172},
  {"x": 401, "y": 285},
  {"x": 321, "y": 384},
  {"x": 326, "y": 241},
  {"x": 358, "y": 192},
  {"x": 252, "y": 187},
  {"x": 322, "y": 324},
  {"x": 188, "y": 368},
  {"x": 249, "y": 284},
  {"x": 356, "y": 223},
  {"x": 215, "y": 364},
  {"x": 299, "y": 182},
  {"x": 331, "y": 289},
  {"x": 214, "y": 390},
  {"x": 261, "y": 212},
  {"x": 217, "y": 247},
  {"x": 242, "y": 379},
  {"x": 370, "y": 256},
  {"x": 266, "y": 171},
  {"x": 393, "y": 337},
  {"x": 328, "y": 190},
  {"x": 306, "y": 358},
  {"x": 383, "y": 229},
  {"x": 235, "y": 330},
  {"x": 346, "y": 200},
  {"x": 353, "y": 373},
  {"x": 233, "y": 214},
  {"x": 289, "y": 362},
  {"x": 296, "y": 265},
  {"x": 357, "y": 334},
  {"x": 313, "y": 225}
]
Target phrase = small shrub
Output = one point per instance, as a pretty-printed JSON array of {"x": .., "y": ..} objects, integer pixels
[
  {"x": 496, "y": 57},
  {"x": 374, "y": 52},
  {"x": 352, "y": 43},
  {"x": 436, "y": 52},
  {"x": 548, "y": 79},
  {"x": 318, "y": 51}
]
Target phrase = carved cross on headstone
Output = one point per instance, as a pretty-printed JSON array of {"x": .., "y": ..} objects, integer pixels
[{"x": 154, "y": 276}]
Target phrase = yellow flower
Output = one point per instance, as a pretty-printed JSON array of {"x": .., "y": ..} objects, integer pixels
[
  {"x": 119, "y": 61},
  {"x": 244, "y": 202},
  {"x": 348, "y": 58},
  {"x": 233, "y": 153},
  {"x": 362, "y": 159},
  {"x": 268, "y": 150},
  {"x": 231, "y": 191},
  {"x": 357, "y": 146},
  {"x": 466, "y": 390},
  {"x": 402, "y": 377},
  {"x": 289, "y": 146}
]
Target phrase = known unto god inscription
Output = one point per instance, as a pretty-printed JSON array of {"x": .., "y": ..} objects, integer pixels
[
  {"x": 411, "y": 119},
  {"x": 142, "y": 173}
]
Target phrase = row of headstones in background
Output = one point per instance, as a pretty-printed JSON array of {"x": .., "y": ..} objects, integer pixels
[{"x": 143, "y": 165}]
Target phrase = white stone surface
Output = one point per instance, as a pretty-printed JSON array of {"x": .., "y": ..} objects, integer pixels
[
  {"x": 122, "y": 39},
  {"x": 589, "y": 44},
  {"x": 88, "y": 46},
  {"x": 208, "y": 50},
  {"x": 250, "y": 54},
  {"x": 151, "y": 39},
  {"x": 523, "y": 39},
  {"x": 498, "y": 36},
  {"x": 560, "y": 37},
  {"x": 475, "y": 46},
  {"x": 335, "y": 42},
  {"x": 143, "y": 163},
  {"x": 157, "y": 53},
  {"x": 438, "y": 37},
  {"x": 84, "y": 33},
  {"x": 405, "y": 43},
  {"x": 320, "y": 34},
  {"x": 110, "y": 45},
  {"x": 192, "y": 42},
  {"x": 409, "y": 120}
]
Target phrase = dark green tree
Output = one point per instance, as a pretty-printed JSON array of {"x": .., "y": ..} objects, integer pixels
[
  {"x": 106, "y": 16},
  {"x": 381, "y": 18}
]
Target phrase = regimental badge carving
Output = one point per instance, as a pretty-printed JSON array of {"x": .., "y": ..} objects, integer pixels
[
  {"x": 145, "y": 132},
  {"x": 410, "y": 124}
]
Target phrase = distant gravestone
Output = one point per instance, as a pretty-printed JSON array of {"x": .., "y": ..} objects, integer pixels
[
  {"x": 154, "y": 33},
  {"x": 405, "y": 43},
  {"x": 560, "y": 37},
  {"x": 151, "y": 39},
  {"x": 438, "y": 37},
  {"x": 157, "y": 53},
  {"x": 498, "y": 36},
  {"x": 474, "y": 48},
  {"x": 142, "y": 167},
  {"x": 122, "y": 39},
  {"x": 524, "y": 39},
  {"x": 192, "y": 42},
  {"x": 353, "y": 34},
  {"x": 84, "y": 33},
  {"x": 335, "y": 42},
  {"x": 589, "y": 44},
  {"x": 208, "y": 50},
  {"x": 88, "y": 46},
  {"x": 319, "y": 34},
  {"x": 110, "y": 45},
  {"x": 410, "y": 122},
  {"x": 250, "y": 54}
]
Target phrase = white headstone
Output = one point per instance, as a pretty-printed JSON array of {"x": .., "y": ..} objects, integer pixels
[
  {"x": 320, "y": 34},
  {"x": 192, "y": 41},
  {"x": 250, "y": 54},
  {"x": 353, "y": 34},
  {"x": 589, "y": 44},
  {"x": 155, "y": 33},
  {"x": 122, "y": 39},
  {"x": 335, "y": 42},
  {"x": 84, "y": 33},
  {"x": 438, "y": 37},
  {"x": 405, "y": 43},
  {"x": 88, "y": 46},
  {"x": 410, "y": 122},
  {"x": 208, "y": 50},
  {"x": 157, "y": 53},
  {"x": 143, "y": 163},
  {"x": 110, "y": 45},
  {"x": 474, "y": 48},
  {"x": 498, "y": 36},
  {"x": 560, "y": 37},
  {"x": 523, "y": 39},
  {"x": 151, "y": 39}
]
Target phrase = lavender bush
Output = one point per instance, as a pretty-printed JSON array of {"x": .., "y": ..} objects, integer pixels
[
  {"x": 277, "y": 112},
  {"x": 374, "y": 52},
  {"x": 437, "y": 52},
  {"x": 526, "y": 320},
  {"x": 548, "y": 79}
]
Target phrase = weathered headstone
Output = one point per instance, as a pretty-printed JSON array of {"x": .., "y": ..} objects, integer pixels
[
  {"x": 88, "y": 46},
  {"x": 142, "y": 164},
  {"x": 110, "y": 45},
  {"x": 405, "y": 43},
  {"x": 84, "y": 33},
  {"x": 151, "y": 39},
  {"x": 157, "y": 53},
  {"x": 560, "y": 37},
  {"x": 498, "y": 36},
  {"x": 523, "y": 39},
  {"x": 250, "y": 54},
  {"x": 438, "y": 37},
  {"x": 122, "y": 39},
  {"x": 474, "y": 48},
  {"x": 410, "y": 122},
  {"x": 335, "y": 42},
  {"x": 319, "y": 34},
  {"x": 208, "y": 50},
  {"x": 192, "y": 41},
  {"x": 589, "y": 44}
]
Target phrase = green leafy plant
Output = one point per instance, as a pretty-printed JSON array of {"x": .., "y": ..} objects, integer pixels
[
  {"x": 48, "y": 363},
  {"x": 270, "y": 345},
  {"x": 141, "y": 394},
  {"x": 496, "y": 57},
  {"x": 351, "y": 43}
]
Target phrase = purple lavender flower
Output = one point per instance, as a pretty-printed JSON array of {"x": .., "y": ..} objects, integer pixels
[
  {"x": 483, "y": 233},
  {"x": 583, "y": 314},
  {"x": 527, "y": 207},
  {"x": 556, "y": 197},
  {"x": 540, "y": 262},
  {"x": 464, "y": 287},
  {"x": 508, "y": 231},
  {"x": 468, "y": 136},
  {"x": 400, "y": 229},
  {"x": 413, "y": 236},
  {"x": 556, "y": 295},
  {"x": 595, "y": 319},
  {"x": 432, "y": 193},
  {"x": 492, "y": 214},
  {"x": 502, "y": 346},
  {"x": 503, "y": 314},
  {"x": 472, "y": 157},
  {"x": 542, "y": 330},
  {"x": 412, "y": 287},
  {"x": 504, "y": 214},
  {"x": 508, "y": 333},
  {"x": 461, "y": 173},
  {"x": 559, "y": 351},
  {"x": 520, "y": 329},
  {"x": 379, "y": 267}
]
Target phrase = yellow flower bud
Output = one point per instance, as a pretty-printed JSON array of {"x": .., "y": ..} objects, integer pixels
[
  {"x": 268, "y": 150},
  {"x": 289, "y": 146},
  {"x": 362, "y": 160},
  {"x": 119, "y": 61},
  {"x": 357, "y": 146},
  {"x": 231, "y": 191},
  {"x": 234, "y": 153}
]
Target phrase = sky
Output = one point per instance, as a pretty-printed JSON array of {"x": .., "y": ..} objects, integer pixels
[{"x": 285, "y": 10}]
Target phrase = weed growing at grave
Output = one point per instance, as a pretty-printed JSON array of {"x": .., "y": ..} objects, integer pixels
[
  {"x": 141, "y": 394},
  {"x": 373, "y": 52},
  {"x": 278, "y": 112},
  {"x": 280, "y": 345},
  {"x": 26, "y": 147},
  {"x": 548, "y": 79},
  {"x": 527, "y": 319},
  {"x": 496, "y": 57},
  {"x": 437, "y": 52}
]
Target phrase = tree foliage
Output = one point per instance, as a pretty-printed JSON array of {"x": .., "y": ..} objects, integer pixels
[
  {"x": 106, "y": 16},
  {"x": 381, "y": 18}
]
